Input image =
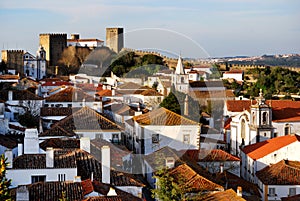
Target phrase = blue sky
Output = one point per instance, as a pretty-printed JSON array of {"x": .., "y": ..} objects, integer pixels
[{"x": 194, "y": 28}]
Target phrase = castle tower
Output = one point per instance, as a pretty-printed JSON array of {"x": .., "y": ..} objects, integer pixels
[
  {"x": 260, "y": 120},
  {"x": 115, "y": 39},
  {"x": 13, "y": 59},
  {"x": 54, "y": 45}
]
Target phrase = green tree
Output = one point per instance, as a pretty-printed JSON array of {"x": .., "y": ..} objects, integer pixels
[
  {"x": 4, "y": 182},
  {"x": 169, "y": 188}
]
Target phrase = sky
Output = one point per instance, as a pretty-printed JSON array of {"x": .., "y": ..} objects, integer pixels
[{"x": 192, "y": 28}]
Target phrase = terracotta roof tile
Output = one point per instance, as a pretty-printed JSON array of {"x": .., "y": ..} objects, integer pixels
[
  {"x": 261, "y": 149},
  {"x": 116, "y": 152},
  {"x": 238, "y": 105},
  {"x": 8, "y": 141},
  {"x": 9, "y": 77},
  {"x": 228, "y": 195},
  {"x": 163, "y": 116},
  {"x": 193, "y": 180},
  {"x": 70, "y": 94},
  {"x": 282, "y": 173},
  {"x": 83, "y": 119},
  {"x": 291, "y": 198},
  {"x": 62, "y": 143},
  {"x": 56, "y": 83},
  {"x": 104, "y": 92},
  {"x": 151, "y": 92},
  {"x": 19, "y": 95},
  {"x": 57, "y": 111},
  {"x": 52, "y": 191},
  {"x": 38, "y": 161},
  {"x": 216, "y": 155}
]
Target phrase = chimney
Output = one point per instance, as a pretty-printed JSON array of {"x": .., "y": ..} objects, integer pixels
[
  {"x": 10, "y": 95},
  {"x": 85, "y": 144},
  {"x": 49, "y": 157},
  {"x": 105, "y": 160},
  {"x": 31, "y": 141},
  {"x": 9, "y": 158},
  {"x": 20, "y": 149},
  {"x": 22, "y": 194},
  {"x": 239, "y": 191},
  {"x": 186, "y": 106},
  {"x": 112, "y": 192},
  {"x": 170, "y": 162},
  {"x": 77, "y": 179},
  {"x": 221, "y": 167}
]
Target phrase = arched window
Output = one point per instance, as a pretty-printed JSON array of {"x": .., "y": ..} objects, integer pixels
[
  {"x": 265, "y": 118},
  {"x": 243, "y": 131},
  {"x": 287, "y": 129}
]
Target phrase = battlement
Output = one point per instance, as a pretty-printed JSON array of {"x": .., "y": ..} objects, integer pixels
[
  {"x": 13, "y": 51},
  {"x": 58, "y": 35}
]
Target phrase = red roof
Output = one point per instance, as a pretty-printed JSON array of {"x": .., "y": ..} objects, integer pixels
[
  {"x": 282, "y": 173},
  {"x": 56, "y": 83},
  {"x": 216, "y": 155},
  {"x": 261, "y": 149}
]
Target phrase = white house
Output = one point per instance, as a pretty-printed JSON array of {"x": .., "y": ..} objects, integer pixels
[
  {"x": 162, "y": 127},
  {"x": 279, "y": 180},
  {"x": 20, "y": 101},
  {"x": 73, "y": 97},
  {"x": 259, "y": 120},
  {"x": 238, "y": 75},
  {"x": 85, "y": 123},
  {"x": 76, "y": 41},
  {"x": 257, "y": 156},
  {"x": 35, "y": 66}
]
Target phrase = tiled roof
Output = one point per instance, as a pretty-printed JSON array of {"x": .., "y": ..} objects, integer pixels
[
  {"x": 282, "y": 110},
  {"x": 235, "y": 71},
  {"x": 38, "y": 161},
  {"x": 261, "y": 149},
  {"x": 56, "y": 83},
  {"x": 83, "y": 119},
  {"x": 57, "y": 111},
  {"x": 212, "y": 94},
  {"x": 163, "y": 116},
  {"x": 151, "y": 92},
  {"x": 70, "y": 94},
  {"x": 104, "y": 92},
  {"x": 87, "y": 164},
  {"x": 206, "y": 84},
  {"x": 282, "y": 173},
  {"x": 233, "y": 181},
  {"x": 62, "y": 143},
  {"x": 291, "y": 198},
  {"x": 228, "y": 195},
  {"x": 116, "y": 152},
  {"x": 56, "y": 131},
  {"x": 9, "y": 77},
  {"x": 8, "y": 141},
  {"x": 19, "y": 95},
  {"x": 192, "y": 180},
  {"x": 216, "y": 155},
  {"x": 52, "y": 191}
]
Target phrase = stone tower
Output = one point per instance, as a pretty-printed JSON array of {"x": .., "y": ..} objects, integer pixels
[
  {"x": 115, "y": 39},
  {"x": 54, "y": 45},
  {"x": 13, "y": 59}
]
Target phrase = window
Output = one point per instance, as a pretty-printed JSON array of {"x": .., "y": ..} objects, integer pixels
[
  {"x": 61, "y": 177},
  {"x": 271, "y": 192},
  {"x": 38, "y": 178},
  {"x": 99, "y": 136},
  {"x": 287, "y": 129},
  {"x": 186, "y": 139},
  {"x": 265, "y": 118},
  {"x": 115, "y": 138},
  {"x": 155, "y": 138},
  {"x": 292, "y": 191}
]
